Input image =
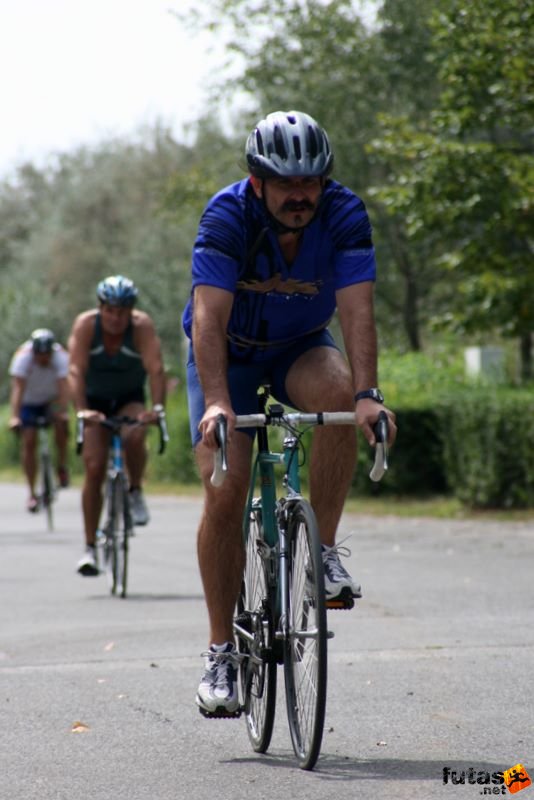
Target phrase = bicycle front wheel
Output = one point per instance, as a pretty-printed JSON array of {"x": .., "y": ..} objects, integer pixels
[
  {"x": 305, "y": 646},
  {"x": 117, "y": 531},
  {"x": 111, "y": 531},
  {"x": 47, "y": 489},
  {"x": 123, "y": 548},
  {"x": 255, "y": 617}
]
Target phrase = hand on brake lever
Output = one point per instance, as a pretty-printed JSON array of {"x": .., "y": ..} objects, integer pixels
[{"x": 208, "y": 424}]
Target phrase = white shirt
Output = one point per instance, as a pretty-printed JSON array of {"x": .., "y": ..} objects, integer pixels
[{"x": 41, "y": 382}]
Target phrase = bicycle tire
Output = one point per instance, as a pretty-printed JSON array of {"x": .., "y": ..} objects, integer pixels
[
  {"x": 305, "y": 646},
  {"x": 257, "y": 672},
  {"x": 111, "y": 528},
  {"x": 123, "y": 547},
  {"x": 47, "y": 489}
]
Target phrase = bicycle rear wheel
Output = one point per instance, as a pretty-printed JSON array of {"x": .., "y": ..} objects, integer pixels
[
  {"x": 47, "y": 489},
  {"x": 255, "y": 616},
  {"x": 305, "y": 647}
]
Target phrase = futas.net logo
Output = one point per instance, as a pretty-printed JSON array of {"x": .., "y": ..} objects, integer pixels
[{"x": 511, "y": 780}]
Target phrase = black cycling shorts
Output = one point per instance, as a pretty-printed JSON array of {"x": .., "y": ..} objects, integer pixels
[{"x": 111, "y": 406}]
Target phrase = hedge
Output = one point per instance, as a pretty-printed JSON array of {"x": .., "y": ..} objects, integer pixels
[{"x": 474, "y": 443}]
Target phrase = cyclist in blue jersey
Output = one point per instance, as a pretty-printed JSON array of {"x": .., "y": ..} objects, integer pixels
[
  {"x": 113, "y": 349},
  {"x": 276, "y": 254}
]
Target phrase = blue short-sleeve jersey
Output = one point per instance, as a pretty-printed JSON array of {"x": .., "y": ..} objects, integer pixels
[{"x": 275, "y": 302}]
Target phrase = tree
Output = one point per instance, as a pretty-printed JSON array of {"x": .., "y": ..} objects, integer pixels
[
  {"x": 465, "y": 174},
  {"x": 88, "y": 214},
  {"x": 321, "y": 57}
]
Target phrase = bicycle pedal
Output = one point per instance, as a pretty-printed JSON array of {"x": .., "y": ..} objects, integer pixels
[
  {"x": 343, "y": 602},
  {"x": 220, "y": 714}
]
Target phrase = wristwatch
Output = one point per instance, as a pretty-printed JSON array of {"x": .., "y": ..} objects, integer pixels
[{"x": 372, "y": 394}]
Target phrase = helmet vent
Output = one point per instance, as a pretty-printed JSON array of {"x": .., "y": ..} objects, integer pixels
[
  {"x": 296, "y": 146},
  {"x": 313, "y": 147},
  {"x": 279, "y": 144},
  {"x": 259, "y": 143}
]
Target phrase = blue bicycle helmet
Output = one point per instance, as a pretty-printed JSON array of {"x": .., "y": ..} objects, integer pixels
[
  {"x": 117, "y": 291},
  {"x": 42, "y": 340},
  {"x": 288, "y": 144}
]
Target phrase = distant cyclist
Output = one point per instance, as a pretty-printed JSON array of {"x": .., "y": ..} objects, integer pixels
[
  {"x": 39, "y": 370},
  {"x": 113, "y": 349}
]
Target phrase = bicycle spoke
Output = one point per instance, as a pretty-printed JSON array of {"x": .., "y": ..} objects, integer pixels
[{"x": 258, "y": 669}]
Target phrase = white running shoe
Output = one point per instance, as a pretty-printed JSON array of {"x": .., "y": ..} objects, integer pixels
[
  {"x": 140, "y": 515},
  {"x": 217, "y": 694},
  {"x": 88, "y": 565},
  {"x": 336, "y": 578}
]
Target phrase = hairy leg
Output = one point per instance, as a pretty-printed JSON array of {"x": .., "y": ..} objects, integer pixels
[
  {"x": 95, "y": 454},
  {"x": 220, "y": 546},
  {"x": 135, "y": 451},
  {"x": 320, "y": 380}
]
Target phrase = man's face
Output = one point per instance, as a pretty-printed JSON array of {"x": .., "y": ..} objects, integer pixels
[
  {"x": 292, "y": 201},
  {"x": 115, "y": 319}
]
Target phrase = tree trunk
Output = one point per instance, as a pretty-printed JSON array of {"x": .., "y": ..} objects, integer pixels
[
  {"x": 411, "y": 312},
  {"x": 525, "y": 349}
]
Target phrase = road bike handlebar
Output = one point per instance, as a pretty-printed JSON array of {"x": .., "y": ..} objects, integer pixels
[
  {"x": 280, "y": 419},
  {"x": 115, "y": 424}
]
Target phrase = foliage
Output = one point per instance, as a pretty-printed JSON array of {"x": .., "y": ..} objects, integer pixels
[
  {"x": 467, "y": 438},
  {"x": 489, "y": 448},
  {"x": 462, "y": 178},
  {"x": 212, "y": 164},
  {"x": 89, "y": 214},
  {"x": 416, "y": 466},
  {"x": 176, "y": 464}
]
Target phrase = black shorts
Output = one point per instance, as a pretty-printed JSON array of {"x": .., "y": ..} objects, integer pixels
[{"x": 110, "y": 406}]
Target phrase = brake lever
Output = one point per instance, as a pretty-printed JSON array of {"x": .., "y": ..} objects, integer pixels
[
  {"x": 79, "y": 434},
  {"x": 380, "y": 430},
  {"x": 220, "y": 462},
  {"x": 163, "y": 432}
]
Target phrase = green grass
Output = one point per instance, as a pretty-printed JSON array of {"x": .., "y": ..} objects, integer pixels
[{"x": 438, "y": 507}]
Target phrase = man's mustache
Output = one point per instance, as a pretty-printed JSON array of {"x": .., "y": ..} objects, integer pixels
[{"x": 298, "y": 205}]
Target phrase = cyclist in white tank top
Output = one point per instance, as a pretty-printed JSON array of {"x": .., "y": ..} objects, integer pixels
[{"x": 38, "y": 371}]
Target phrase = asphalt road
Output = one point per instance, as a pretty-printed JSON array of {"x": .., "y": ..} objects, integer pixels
[{"x": 433, "y": 670}]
